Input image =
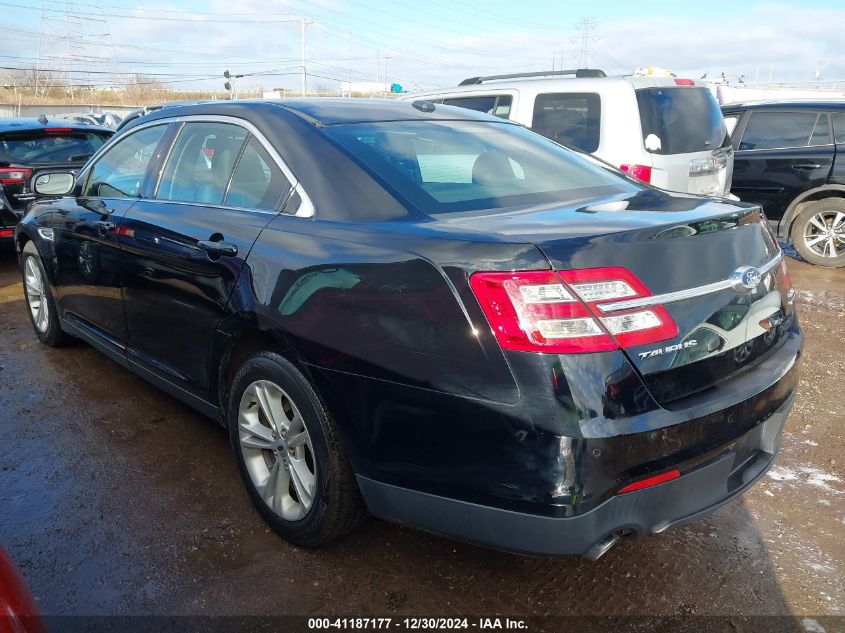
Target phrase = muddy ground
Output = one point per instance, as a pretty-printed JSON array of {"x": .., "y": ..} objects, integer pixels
[{"x": 117, "y": 499}]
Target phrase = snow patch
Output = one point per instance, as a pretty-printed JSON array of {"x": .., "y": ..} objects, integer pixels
[
  {"x": 805, "y": 474},
  {"x": 812, "y": 626}
]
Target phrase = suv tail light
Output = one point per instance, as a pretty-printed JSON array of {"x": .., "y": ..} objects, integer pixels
[
  {"x": 13, "y": 175},
  {"x": 684, "y": 82},
  {"x": 557, "y": 312},
  {"x": 643, "y": 172}
]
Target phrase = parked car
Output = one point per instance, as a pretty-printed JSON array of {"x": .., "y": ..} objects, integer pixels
[
  {"x": 31, "y": 146},
  {"x": 663, "y": 130},
  {"x": 789, "y": 159},
  {"x": 18, "y": 613},
  {"x": 429, "y": 313},
  {"x": 102, "y": 119}
]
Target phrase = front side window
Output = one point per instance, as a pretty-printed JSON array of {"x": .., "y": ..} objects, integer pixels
[
  {"x": 498, "y": 105},
  {"x": 775, "y": 130},
  {"x": 119, "y": 173},
  {"x": 201, "y": 162},
  {"x": 572, "y": 119},
  {"x": 257, "y": 183},
  {"x": 453, "y": 166}
]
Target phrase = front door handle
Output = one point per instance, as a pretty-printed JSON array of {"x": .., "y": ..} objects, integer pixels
[
  {"x": 806, "y": 166},
  {"x": 218, "y": 248},
  {"x": 103, "y": 226}
]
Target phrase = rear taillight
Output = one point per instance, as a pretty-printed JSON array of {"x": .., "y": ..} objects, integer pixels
[
  {"x": 643, "y": 172},
  {"x": 684, "y": 82},
  {"x": 13, "y": 175},
  {"x": 545, "y": 311},
  {"x": 7, "y": 232},
  {"x": 57, "y": 130}
]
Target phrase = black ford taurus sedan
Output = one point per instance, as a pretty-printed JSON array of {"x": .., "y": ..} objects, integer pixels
[{"x": 427, "y": 313}]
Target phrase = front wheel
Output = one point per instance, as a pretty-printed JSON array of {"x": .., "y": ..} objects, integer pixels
[
  {"x": 818, "y": 232},
  {"x": 289, "y": 453},
  {"x": 43, "y": 313}
]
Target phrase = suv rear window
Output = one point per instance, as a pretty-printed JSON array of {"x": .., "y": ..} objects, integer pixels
[
  {"x": 451, "y": 166},
  {"x": 50, "y": 145},
  {"x": 684, "y": 119},
  {"x": 571, "y": 119},
  {"x": 499, "y": 105}
]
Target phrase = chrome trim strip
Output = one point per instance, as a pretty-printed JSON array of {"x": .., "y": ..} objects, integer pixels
[{"x": 680, "y": 295}]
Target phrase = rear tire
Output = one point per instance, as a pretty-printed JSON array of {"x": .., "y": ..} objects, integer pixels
[
  {"x": 818, "y": 232},
  {"x": 289, "y": 453},
  {"x": 38, "y": 294}
]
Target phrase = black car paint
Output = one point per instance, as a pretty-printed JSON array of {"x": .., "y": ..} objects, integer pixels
[
  {"x": 371, "y": 299},
  {"x": 779, "y": 179},
  {"x": 14, "y": 199}
]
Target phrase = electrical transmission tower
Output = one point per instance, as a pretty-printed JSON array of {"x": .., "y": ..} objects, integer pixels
[
  {"x": 585, "y": 40},
  {"x": 75, "y": 48}
]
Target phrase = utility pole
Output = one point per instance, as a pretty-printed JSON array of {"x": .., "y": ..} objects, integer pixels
[
  {"x": 585, "y": 40},
  {"x": 349, "y": 33},
  {"x": 303, "y": 23},
  {"x": 386, "y": 67}
]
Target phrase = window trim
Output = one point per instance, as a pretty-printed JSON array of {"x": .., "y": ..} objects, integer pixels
[
  {"x": 751, "y": 114},
  {"x": 89, "y": 169},
  {"x": 306, "y": 207}
]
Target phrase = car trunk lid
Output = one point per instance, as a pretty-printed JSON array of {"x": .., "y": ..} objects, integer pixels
[{"x": 685, "y": 251}]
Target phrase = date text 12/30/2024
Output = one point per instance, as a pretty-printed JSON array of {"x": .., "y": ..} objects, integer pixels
[{"x": 417, "y": 624}]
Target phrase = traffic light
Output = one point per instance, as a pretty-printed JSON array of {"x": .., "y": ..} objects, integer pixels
[
  {"x": 226, "y": 74},
  {"x": 228, "y": 86}
]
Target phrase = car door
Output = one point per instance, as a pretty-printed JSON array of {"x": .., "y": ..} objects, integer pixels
[
  {"x": 779, "y": 154},
  {"x": 88, "y": 276},
  {"x": 184, "y": 249}
]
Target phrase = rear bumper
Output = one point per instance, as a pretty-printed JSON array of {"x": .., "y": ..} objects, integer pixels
[{"x": 700, "y": 490}]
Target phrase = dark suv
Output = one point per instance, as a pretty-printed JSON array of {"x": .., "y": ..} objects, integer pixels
[
  {"x": 787, "y": 159},
  {"x": 31, "y": 146}
]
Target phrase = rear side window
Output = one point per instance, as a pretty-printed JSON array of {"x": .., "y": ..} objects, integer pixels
[
  {"x": 839, "y": 126},
  {"x": 120, "y": 171},
  {"x": 498, "y": 105},
  {"x": 775, "y": 130},
  {"x": 257, "y": 183},
  {"x": 201, "y": 162},
  {"x": 680, "y": 120},
  {"x": 570, "y": 119},
  {"x": 50, "y": 146}
]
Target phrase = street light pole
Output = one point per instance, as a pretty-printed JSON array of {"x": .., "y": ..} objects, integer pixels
[{"x": 303, "y": 24}]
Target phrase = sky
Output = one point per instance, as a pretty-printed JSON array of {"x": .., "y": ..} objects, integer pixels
[{"x": 419, "y": 44}]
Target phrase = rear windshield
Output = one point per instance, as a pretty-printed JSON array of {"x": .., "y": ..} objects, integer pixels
[
  {"x": 446, "y": 166},
  {"x": 47, "y": 146},
  {"x": 681, "y": 119}
]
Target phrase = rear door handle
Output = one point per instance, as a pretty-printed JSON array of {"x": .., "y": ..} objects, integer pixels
[
  {"x": 218, "y": 248},
  {"x": 806, "y": 166},
  {"x": 103, "y": 225}
]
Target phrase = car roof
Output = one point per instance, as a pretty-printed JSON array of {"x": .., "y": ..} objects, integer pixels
[
  {"x": 328, "y": 110},
  {"x": 25, "y": 124},
  {"x": 807, "y": 104},
  {"x": 565, "y": 84}
]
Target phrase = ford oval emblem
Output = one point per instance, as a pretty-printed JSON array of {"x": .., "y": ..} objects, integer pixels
[{"x": 745, "y": 278}]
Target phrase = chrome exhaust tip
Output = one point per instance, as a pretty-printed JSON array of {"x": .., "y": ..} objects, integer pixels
[{"x": 601, "y": 548}]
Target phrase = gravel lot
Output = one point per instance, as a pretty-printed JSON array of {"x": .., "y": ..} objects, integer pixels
[{"x": 117, "y": 499}]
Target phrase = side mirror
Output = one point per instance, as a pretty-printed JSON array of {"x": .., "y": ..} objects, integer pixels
[{"x": 54, "y": 184}]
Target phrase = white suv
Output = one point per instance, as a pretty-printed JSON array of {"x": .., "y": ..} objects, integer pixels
[{"x": 663, "y": 130}]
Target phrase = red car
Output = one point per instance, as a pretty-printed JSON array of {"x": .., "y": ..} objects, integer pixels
[{"x": 18, "y": 613}]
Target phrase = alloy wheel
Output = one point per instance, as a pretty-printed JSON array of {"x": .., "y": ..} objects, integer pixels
[
  {"x": 277, "y": 450},
  {"x": 34, "y": 285},
  {"x": 824, "y": 233}
]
